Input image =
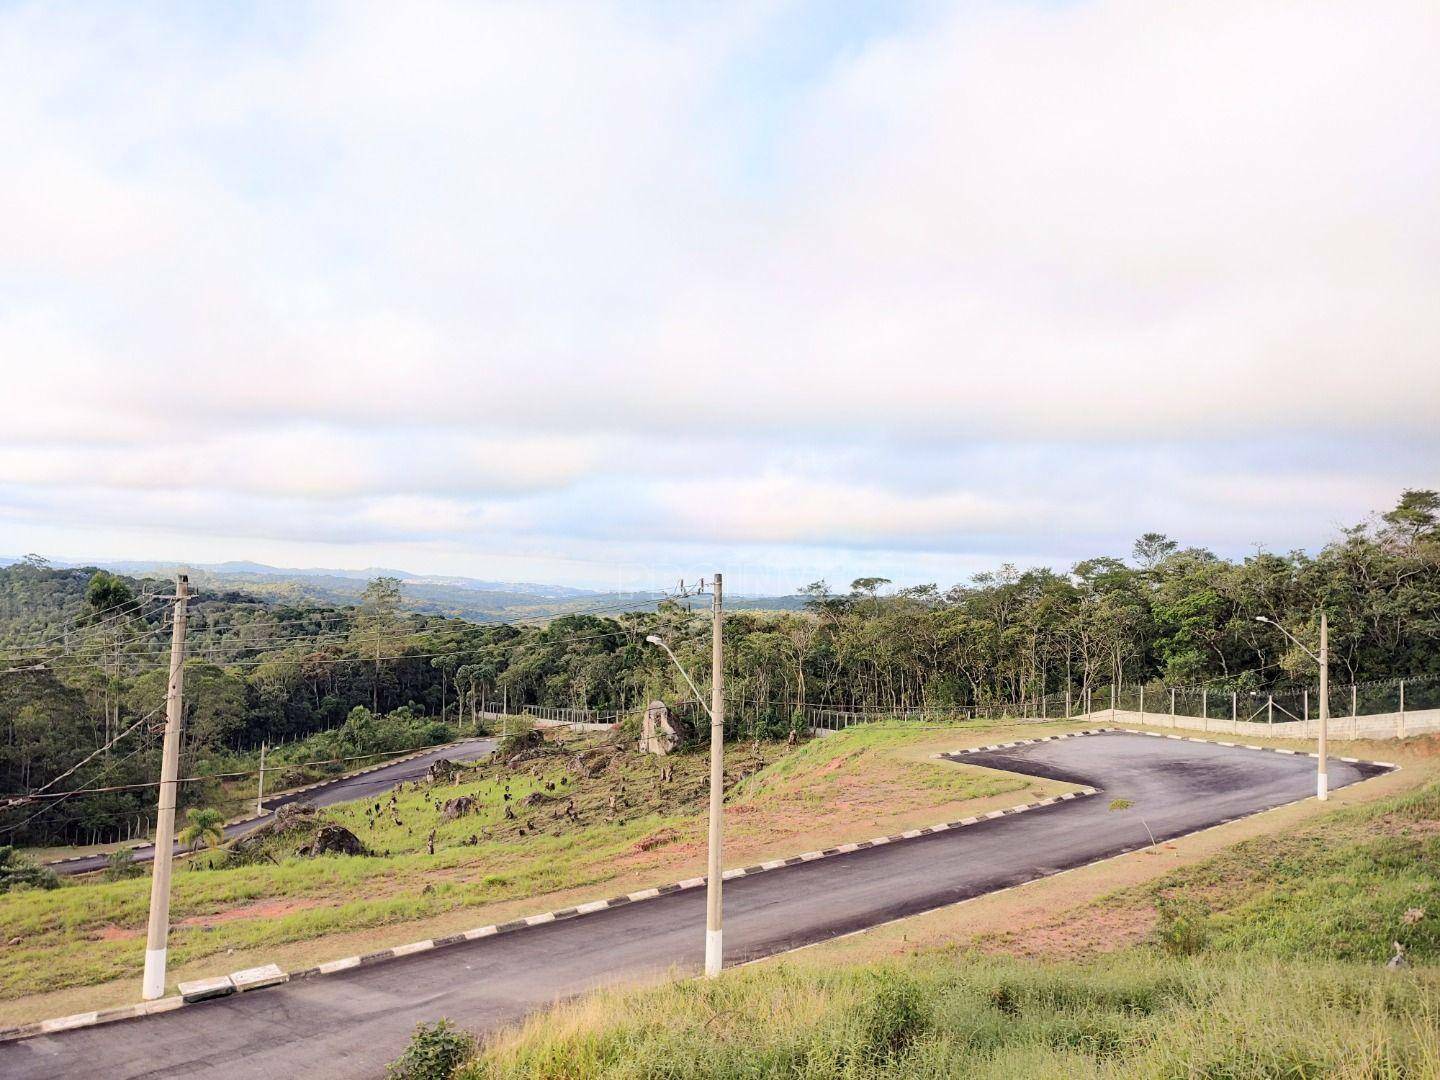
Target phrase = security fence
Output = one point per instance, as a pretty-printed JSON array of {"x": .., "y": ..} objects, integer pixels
[{"x": 1378, "y": 709}]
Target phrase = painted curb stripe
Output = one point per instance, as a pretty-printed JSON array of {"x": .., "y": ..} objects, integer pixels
[
  {"x": 330, "y": 967},
  {"x": 66, "y": 1023}
]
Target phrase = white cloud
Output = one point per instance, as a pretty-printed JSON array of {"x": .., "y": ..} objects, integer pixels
[{"x": 513, "y": 271}]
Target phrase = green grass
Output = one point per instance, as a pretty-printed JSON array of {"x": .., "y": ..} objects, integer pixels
[
  {"x": 1288, "y": 936},
  {"x": 1338, "y": 889},
  {"x": 812, "y": 772},
  {"x": 90, "y": 931},
  {"x": 60, "y": 931},
  {"x": 1133, "y": 1016}
]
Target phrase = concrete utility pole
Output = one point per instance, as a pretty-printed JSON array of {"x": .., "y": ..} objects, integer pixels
[
  {"x": 260, "y": 795},
  {"x": 1322, "y": 775},
  {"x": 1322, "y": 779},
  {"x": 159, "y": 930},
  {"x": 715, "y": 872},
  {"x": 714, "y": 950}
]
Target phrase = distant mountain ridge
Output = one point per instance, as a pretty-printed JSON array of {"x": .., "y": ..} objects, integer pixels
[
  {"x": 524, "y": 588},
  {"x": 429, "y": 594}
]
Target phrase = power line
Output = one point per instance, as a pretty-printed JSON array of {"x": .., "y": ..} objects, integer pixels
[
  {"x": 158, "y": 647},
  {"x": 90, "y": 757},
  {"x": 126, "y": 609}
]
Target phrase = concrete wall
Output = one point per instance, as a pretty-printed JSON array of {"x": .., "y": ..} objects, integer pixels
[
  {"x": 539, "y": 722},
  {"x": 1379, "y": 726}
]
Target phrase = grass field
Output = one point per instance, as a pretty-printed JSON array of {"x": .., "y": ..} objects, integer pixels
[
  {"x": 1261, "y": 960},
  {"x": 88, "y": 935}
]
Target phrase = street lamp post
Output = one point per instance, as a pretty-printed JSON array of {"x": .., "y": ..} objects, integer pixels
[
  {"x": 714, "y": 877},
  {"x": 1322, "y": 776}
]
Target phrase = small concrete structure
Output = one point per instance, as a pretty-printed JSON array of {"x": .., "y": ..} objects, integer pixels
[
  {"x": 256, "y": 977},
  {"x": 204, "y": 989}
]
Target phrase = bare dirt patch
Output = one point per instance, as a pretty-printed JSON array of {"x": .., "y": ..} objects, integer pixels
[
  {"x": 269, "y": 909},
  {"x": 115, "y": 933},
  {"x": 1087, "y": 931}
]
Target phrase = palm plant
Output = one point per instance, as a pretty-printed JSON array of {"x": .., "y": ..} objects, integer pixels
[{"x": 205, "y": 827}]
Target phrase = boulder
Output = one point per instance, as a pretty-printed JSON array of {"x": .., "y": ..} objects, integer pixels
[
  {"x": 458, "y": 807},
  {"x": 443, "y": 770},
  {"x": 332, "y": 839},
  {"x": 591, "y": 763}
]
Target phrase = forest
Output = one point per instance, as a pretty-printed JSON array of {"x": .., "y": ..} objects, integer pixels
[{"x": 84, "y": 656}]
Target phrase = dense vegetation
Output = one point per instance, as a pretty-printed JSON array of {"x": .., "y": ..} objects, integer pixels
[{"x": 84, "y": 654}]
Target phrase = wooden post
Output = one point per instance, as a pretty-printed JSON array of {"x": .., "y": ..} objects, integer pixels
[
  {"x": 1402, "y": 708},
  {"x": 1142, "y": 703},
  {"x": 1205, "y": 708}
]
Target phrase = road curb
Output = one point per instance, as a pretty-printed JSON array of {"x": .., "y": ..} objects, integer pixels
[
  {"x": 127, "y": 1012},
  {"x": 1389, "y": 766},
  {"x": 951, "y": 754}
]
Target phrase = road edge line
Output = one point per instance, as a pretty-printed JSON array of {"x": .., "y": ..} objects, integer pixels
[{"x": 329, "y": 967}]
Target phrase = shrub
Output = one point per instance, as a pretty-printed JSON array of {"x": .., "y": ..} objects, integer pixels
[
  {"x": 522, "y": 735},
  {"x": 19, "y": 871},
  {"x": 435, "y": 1051},
  {"x": 894, "y": 1014},
  {"x": 121, "y": 865},
  {"x": 1183, "y": 928}
]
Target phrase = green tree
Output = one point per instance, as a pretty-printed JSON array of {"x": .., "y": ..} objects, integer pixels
[
  {"x": 204, "y": 826},
  {"x": 1415, "y": 515},
  {"x": 377, "y": 623}
]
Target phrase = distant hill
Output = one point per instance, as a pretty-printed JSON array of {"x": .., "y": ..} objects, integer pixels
[{"x": 428, "y": 594}]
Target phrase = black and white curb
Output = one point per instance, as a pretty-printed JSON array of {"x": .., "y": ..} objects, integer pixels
[
  {"x": 665, "y": 890},
  {"x": 270, "y": 975},
  {"x": 1389, "y": 765},
  {"x": 950, "y": 754}
]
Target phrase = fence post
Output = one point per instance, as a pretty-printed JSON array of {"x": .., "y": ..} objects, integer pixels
[
  {"x": 1142, "y": 703},
  {"x": 1172, "y": 706},
  {"x": 1234, "y": 710},
  {"x": 1402, "y": 708},
  {"x": 1205, "y": 708},
  {"x": 1353, "y": 710},
  {"x": 1305, "y": 714},
  {"x": 1269, "y": 708},
  {"x": 1112, "y": 701}
]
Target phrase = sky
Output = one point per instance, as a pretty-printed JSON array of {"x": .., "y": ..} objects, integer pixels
[{"x": 613, "y": 294}]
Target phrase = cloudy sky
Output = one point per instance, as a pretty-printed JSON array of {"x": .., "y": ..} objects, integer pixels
[{"x": 610, "y": 294}]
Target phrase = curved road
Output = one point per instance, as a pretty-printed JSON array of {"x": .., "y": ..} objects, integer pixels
[
  {"x": 351, "y": 1023},
  {"x": 341, "y": 789}
]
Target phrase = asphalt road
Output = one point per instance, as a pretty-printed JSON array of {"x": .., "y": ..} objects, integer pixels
[
  {"x": 341, "y": 789},
  {"x": 352, "y": 1023}
]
